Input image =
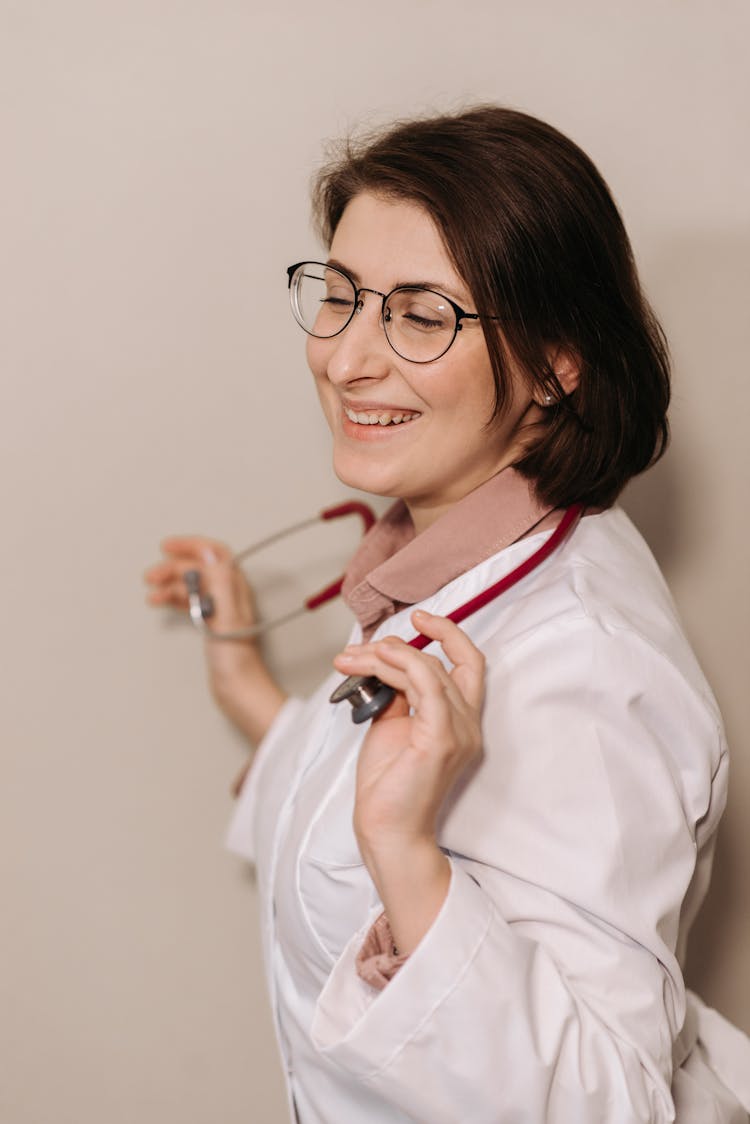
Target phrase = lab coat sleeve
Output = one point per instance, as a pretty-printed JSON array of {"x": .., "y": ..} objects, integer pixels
[
  {"x": 242, "y": 830},
  {"x": 547, "y": 990}
]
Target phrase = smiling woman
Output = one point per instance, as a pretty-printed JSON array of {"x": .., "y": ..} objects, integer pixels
[
  {"x": 475, "y": 909},
  {"x": 449, "y": 400}
]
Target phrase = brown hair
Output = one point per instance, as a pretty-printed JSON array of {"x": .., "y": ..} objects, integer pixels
[{"x": 533, "y": 231}]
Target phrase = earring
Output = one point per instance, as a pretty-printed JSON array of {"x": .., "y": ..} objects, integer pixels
[{"x": 547, "y": 399}]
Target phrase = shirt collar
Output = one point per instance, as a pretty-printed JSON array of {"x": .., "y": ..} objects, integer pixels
[{"x": 395, "y": 567}]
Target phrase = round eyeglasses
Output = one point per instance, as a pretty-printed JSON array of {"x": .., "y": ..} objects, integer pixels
[{"x": 419, "y": 324}]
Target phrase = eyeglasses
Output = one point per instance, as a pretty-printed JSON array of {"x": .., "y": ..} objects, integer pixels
[{"x": 419, "y": 324}]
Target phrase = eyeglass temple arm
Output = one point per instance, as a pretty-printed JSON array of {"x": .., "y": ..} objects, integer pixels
[{"x": 338, "y": 511}]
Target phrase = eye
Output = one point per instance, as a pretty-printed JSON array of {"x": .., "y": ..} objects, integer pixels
[
  {"x": 422, "y": 321},
  {"x": 337, "y": 296},
  {"x": 340, "y": 302},
  {"x": 419, "y": 310}
]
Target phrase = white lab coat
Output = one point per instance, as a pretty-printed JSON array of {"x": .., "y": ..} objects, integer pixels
[{"x": 549, "y": 989}]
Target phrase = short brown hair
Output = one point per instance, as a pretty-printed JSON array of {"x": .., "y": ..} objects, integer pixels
[{"x": 533, "y": 230}]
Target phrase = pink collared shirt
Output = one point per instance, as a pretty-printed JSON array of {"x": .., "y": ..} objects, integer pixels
[{"x": 395, "y": 567}]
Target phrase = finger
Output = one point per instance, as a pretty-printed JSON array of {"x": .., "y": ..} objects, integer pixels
[
  {"x": 369, "y": 663},
  {"x": 173, "y": 595},
  {"x": 386, "y": 643},
  {"x": 374, "y": 659},
  {"x": 185, "y": 554},
  {"x": 158, "y": 573},
  {"x": 167, "y": 573},
  {"x": 396, "y": 663},
  {"x": 422, "y": 678},
  {"x": 197, "y": 548},
  {"x": 429, "y": 682},
  {"x": 468, "y": 662}
]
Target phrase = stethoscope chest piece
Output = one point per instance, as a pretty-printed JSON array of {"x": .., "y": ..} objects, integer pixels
[{"x": 366, "y": 694}]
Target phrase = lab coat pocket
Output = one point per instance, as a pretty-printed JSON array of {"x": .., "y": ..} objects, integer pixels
[{"x": 335, "y": 888}]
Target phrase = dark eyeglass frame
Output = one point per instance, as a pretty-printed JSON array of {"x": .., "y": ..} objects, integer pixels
[{"x": 459, "y": 313}]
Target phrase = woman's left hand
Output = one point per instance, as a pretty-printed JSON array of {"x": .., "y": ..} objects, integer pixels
[{"x": 413, "y": 754}]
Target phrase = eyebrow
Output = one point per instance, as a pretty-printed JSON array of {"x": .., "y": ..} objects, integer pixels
[{"x": 436, "y": 286}]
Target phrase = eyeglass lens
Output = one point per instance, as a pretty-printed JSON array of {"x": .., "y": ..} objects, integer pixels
[{"x": 420, "y": 324}]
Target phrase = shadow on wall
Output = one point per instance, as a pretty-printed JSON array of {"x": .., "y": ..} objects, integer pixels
[
  {"x": 657, "y": 505},
  {"x": 690, "y": 508}
]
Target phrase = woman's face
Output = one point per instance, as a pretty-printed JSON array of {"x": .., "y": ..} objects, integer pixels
[{"x": 445, "y": 449}]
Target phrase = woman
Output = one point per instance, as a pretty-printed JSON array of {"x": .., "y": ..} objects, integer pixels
[{"x": 475, "y": 910}]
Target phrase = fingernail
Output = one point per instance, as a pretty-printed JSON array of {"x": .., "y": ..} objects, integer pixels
[
  {"x": 421, "y": 613},
  {"x": 344, "y": 657},
  {"x": 209, "y": 556}
]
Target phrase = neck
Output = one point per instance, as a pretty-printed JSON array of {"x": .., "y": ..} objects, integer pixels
[{"x": 426, "y": 512}]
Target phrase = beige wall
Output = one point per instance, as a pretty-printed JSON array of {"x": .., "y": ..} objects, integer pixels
[{"x": 155, "y": 165}]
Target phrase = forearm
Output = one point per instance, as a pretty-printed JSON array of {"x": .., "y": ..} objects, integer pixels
[
  {"x": 248, "y": 694},
  {"x": 412, "y": 883}
]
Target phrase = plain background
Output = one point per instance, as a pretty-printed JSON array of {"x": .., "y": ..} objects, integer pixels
[{"x": 156, "y": 159}]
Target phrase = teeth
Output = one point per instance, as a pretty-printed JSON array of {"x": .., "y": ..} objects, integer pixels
[{"x": 378, "y": 419}]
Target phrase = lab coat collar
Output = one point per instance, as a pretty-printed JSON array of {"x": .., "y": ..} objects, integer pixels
[{"x": 395, "y": 567}]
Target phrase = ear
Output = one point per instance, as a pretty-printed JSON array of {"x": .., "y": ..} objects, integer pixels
[{"x": 566, "y": 366}]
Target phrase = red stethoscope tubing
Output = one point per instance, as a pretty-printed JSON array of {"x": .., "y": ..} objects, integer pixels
[
  {"x": 369, "y": 697},
  {"x": 561, "y": 531},
  {"x": 351, "y": 507}
]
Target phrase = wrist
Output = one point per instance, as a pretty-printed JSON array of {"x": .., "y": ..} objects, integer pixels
[
  {"x": 392, "y": 851},
  {"x": 414, "y": 862},
  {"x": 232, "y": 666},
  {"x": 412, "y": 881}
]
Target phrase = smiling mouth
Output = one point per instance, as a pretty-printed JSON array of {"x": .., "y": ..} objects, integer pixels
[{"x": 380, "y": 417}]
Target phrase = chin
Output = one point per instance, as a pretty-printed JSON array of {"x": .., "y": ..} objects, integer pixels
[{"x": 371, "y": 478}]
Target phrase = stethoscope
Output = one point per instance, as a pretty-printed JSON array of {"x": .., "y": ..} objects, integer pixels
[
  {"x": 201, "y": 606},
  {"x": 367, "y": 695}
]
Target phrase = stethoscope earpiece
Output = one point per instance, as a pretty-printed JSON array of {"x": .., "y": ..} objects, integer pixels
[
  {"x": 366, "y": 694},
  {"x": 201, "y": 605}
]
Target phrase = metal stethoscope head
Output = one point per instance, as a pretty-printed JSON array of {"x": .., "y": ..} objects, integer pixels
[{"x": 366, "y": 694}]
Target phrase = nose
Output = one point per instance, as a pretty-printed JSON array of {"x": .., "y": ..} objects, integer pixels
[{"x": 361, "y": 351}]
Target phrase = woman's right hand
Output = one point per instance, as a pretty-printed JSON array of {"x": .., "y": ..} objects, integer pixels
[{"x": 238, "y": 677}]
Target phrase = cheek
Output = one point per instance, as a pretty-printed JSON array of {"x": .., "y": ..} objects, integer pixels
[{"x": 465, "y": 389}]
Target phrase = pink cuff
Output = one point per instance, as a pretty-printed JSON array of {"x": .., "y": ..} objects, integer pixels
[{"x": 378, "y": 959}]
